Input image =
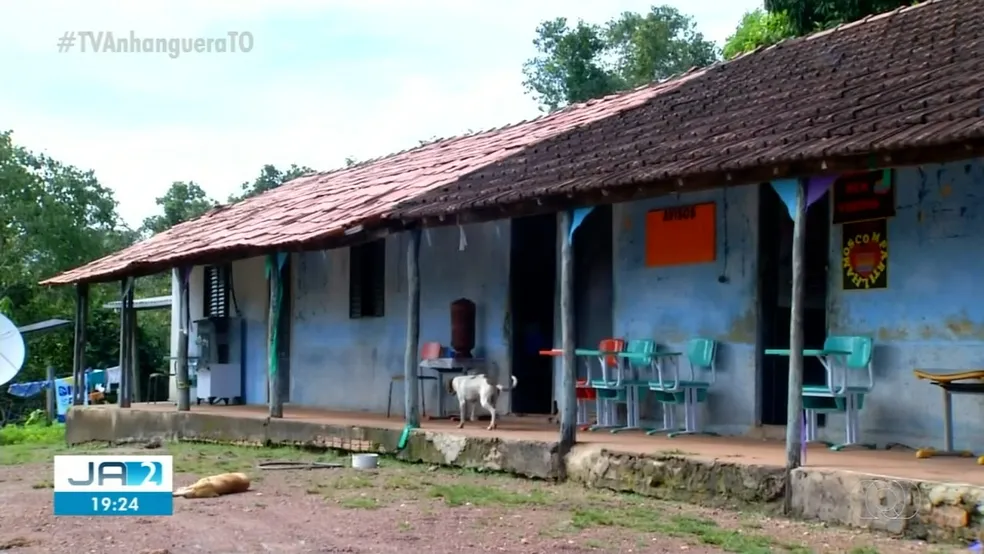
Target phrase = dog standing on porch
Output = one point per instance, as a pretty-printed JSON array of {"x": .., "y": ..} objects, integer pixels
[{"x": 477, "y": 389}]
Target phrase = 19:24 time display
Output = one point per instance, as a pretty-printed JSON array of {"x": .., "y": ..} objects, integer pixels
[{"x": 115, "y": 504}]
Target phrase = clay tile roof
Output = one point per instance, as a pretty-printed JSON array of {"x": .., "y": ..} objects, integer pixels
[
  {"x": 907, "y": 78},
  {"x": 318, "y": 206},
  {"x": 903, "y": 80}
]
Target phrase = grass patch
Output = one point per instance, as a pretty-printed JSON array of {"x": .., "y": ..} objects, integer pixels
[
  {"x": 644, "y": 519},
  {"x": 35, "y": 434},
  {"x": 351, "y": 481},
  {"x": 478, "y": 495},
  {"x": 32, "y": 443},
  {"x": 359, "y": 503},
  {"x": 210, "y": 459}
]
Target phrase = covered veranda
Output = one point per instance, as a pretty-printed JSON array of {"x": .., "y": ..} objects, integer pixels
[{"x": 607, "y": 156}]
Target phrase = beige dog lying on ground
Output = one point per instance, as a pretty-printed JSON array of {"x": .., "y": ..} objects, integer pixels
[
  {"x": 216, "y": 485},
  {"x": 472, "y": 389}
]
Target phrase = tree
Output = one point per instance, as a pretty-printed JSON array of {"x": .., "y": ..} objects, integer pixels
[
  {"x": 807, "y": 16},
  {"x": 758, "y": 28},
  {"x": 182, "y": 202},
  {"x": 585, "y": 61},
  {"x": 784, "y": 19},
  {"x": 270, "y": 178},
  {"x": 56, "y": 217}
]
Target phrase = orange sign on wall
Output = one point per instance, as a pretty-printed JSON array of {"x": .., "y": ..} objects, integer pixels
[{"x": 681, "y": 235}]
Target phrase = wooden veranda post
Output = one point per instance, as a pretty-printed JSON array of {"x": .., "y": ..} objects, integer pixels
[
  {"x": 126, "y": 342},
  {"x": 184, "y": 309},
  {"x": 794, "y": 422},
  {"x": 78, "y": 362},
  {"x": 275, "y": 399},
  {"x": 410, "y": 363},
  {"x": 50, "y": 395},
  {"x": 568, "y": 380},
  {"x": 135, "y": 380}
]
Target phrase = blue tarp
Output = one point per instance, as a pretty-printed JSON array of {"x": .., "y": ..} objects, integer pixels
[{"x": 27, "y": 390}]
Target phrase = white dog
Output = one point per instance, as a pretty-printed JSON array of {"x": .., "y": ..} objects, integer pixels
[{"x": 472, "y": 389}]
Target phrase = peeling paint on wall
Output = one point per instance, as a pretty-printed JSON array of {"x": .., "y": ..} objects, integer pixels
[
  {"x": 348, "y": 364},
  {"x": 715, "y": 300},
  {"x": 932, "y": 315}
]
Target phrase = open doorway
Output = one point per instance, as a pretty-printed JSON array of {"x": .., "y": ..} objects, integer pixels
[
  {"x": 775, "y": 294},
  {"x": 594, "y": 294},
  {"x": 532, "y": 282}
]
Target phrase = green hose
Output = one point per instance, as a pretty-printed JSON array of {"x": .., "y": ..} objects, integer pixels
[{"x": 405, "y": 437}]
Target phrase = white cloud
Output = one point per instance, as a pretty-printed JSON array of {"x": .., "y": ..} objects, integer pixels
[{"x": 143, "y": 121}]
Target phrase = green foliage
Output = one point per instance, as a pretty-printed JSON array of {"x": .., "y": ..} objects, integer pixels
[
  {"x": 758, "y": 28},
  {"x": 270, "y": 178},
  {"x": 181, "y": 202},
  {"x": 55, "y": 217},
  {"x": 584, "y": 61},
  {"x": 35, "y": 433},
  {"x": 807, "y": 16}
]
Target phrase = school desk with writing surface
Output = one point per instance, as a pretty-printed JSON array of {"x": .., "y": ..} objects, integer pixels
[{"x": 964, "y": 382}]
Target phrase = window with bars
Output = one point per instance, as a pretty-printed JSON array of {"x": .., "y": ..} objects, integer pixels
[
  {"x": 216, "y": 291},
  {"x": 367, "y": 279}
]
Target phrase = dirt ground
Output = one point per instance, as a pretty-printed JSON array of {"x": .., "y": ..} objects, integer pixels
[{"x": 397, "y": 508}]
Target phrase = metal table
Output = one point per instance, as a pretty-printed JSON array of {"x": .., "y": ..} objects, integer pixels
[{"x": 450, "y": 366}]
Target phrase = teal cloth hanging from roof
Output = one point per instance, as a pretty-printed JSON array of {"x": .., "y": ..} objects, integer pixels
[
  {"x": 815, "y": 187},
  {"x": 577, "y": 218},
  {"x": 280, "y": 257}
]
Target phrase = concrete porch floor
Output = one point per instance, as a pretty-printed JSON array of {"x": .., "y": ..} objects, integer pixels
[{"x": 734, "y": 450}]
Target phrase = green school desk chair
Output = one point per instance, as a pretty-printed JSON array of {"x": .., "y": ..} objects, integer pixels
[
  {"x": 672, "y": 391},
  {"x": 635, "y": 362},
  {"x": 843, "y": 357}
]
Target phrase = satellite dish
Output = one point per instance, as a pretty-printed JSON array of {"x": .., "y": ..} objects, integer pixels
[{"x": 12, "y": 350}]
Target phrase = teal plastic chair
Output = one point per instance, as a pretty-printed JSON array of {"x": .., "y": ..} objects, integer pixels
[
  {"x": 636, "y": 367},
  {"x": 847, "y": 356},
  {"x": 639, "y": 361},
  {"x": 691, "y": 392}
]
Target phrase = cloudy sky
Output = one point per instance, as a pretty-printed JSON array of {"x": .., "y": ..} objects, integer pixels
[{"x": 325, "y": 80}]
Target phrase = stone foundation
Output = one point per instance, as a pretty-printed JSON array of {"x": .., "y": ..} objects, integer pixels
[{"x": 916, "y": 509}]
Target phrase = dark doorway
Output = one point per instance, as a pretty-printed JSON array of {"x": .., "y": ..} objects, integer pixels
[
  {"x": 594, "y": 295},
  {"x": 284, "y": 328},
  {"x": 532, "y": 282},
  {"x": 775, "y": 288}
]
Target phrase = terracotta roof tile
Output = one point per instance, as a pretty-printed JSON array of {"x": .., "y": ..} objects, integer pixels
[
  {"x": 912, "y": 77},
  {"x": 909, "y": 78},
  {"x": 319, "y": 206}
]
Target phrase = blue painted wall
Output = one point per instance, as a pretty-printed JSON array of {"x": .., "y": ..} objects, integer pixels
[
  {"x": 931, "y": 316},
  {"x": 252, "y": 298},
  {"x": 347, "y": 364},
  {"x": 250, "y": 288},
  {"x": 932, "y": 313},
  {"x": 674, "y": 304}
]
